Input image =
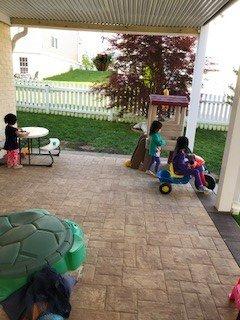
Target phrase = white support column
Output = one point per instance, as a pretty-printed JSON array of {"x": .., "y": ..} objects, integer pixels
[
  {"x": 196, "y": 86},
  {"x": 236, "y": 199},
  {"x": 228, "y": 190}
]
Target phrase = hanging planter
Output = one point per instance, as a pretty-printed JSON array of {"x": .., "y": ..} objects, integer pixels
[{"x": 102, "y": 61}]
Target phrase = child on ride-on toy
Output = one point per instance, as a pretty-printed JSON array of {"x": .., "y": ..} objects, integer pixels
[{"x": 187, "y": 164}]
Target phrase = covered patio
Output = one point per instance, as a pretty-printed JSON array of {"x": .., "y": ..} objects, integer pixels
[
  {"x": 149, "y": 256},
  {"x": 130, "y": 16}
]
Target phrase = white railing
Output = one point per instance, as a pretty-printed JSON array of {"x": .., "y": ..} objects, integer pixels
[
  {"x": 214, "y": 112},
  {"x": 80, "y": 100},
  {"x": 51, "y": 97}
]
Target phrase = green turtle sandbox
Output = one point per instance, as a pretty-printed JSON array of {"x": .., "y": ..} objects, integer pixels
[{"x": 31, "y": 239}]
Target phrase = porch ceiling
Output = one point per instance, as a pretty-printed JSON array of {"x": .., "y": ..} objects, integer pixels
[{"x": 155, "y": 16}]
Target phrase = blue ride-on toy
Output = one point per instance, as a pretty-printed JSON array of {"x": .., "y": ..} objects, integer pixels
[{"x": 168, "y": 177}]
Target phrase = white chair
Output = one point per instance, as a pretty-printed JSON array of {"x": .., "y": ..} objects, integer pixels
[{"x": 53, "y": 145}]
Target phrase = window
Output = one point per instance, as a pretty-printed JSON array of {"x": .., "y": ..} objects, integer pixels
[
  {"x": 23, "y": 65},
  {"x": 54, "y": 42}
]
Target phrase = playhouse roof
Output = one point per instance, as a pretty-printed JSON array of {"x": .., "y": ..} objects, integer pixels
[{"x": 174, "y": 101}]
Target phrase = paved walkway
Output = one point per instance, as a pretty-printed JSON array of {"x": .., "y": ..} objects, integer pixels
[{"x": 150, "y": 257}]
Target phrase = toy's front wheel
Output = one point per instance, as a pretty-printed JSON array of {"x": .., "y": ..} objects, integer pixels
[
  {"x": 165, "y": 188},
  {"x": 211, "y": 183}
]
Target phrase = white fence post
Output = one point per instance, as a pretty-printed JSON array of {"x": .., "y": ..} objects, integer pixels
[{"x": 47, "y": 96}]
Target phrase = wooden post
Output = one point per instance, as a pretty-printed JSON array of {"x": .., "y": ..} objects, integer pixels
[
  {"x": 183, "y": 117},
  {"x": 152, "y": 115},
  {"x": 152, "y": 112},
  {"x": 178, "y": 115}
]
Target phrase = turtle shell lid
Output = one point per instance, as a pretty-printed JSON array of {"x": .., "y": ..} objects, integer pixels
[{"x": 31, "y": 239}]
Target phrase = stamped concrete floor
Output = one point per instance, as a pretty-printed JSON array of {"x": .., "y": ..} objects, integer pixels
[{"x": 150, "y": 257}]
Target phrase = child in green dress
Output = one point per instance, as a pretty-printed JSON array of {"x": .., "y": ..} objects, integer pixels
[{"x": 156, "y": 142}]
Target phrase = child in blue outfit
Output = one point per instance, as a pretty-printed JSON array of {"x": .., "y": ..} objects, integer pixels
[{"x": 156, "y": 142}]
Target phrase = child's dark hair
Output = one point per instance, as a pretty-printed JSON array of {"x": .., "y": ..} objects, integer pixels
[
  {"x": 155, "y": 126},
  {"x": 182, "y": 144},
  {"x": 10, "y": 118}
]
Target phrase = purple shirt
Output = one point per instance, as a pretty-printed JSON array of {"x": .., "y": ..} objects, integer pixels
[{"x": 180, "y": 162}]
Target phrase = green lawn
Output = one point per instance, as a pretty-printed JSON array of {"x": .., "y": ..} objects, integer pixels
[
  {"x": 210, "y": 145},
  {"x": 102, "y": 136},
  {"x": 82, "y": 76},
  {"x": 112, "y": 137},
  {"x": 237, "y": 218}
]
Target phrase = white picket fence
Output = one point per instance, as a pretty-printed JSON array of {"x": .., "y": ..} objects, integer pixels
[
  {"x": 59, "y": 99},
  {"x": 214, "y": 112},
  {"x": 80, "y": 100}
]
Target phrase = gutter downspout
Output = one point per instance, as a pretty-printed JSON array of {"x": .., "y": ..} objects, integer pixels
[{"x": 18, "y": 36}]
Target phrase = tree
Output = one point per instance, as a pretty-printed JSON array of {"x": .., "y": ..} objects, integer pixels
[
  {"x": 232, "y": 89},
  {"x": 87, "y": 62},
  {"x": 210, "y": 65},
  {"x": 102, "y": 61},
  {"x": 145, "y": 65}
]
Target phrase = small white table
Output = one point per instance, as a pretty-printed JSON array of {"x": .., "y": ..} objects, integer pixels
[{"x": 34, "y": 133}]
